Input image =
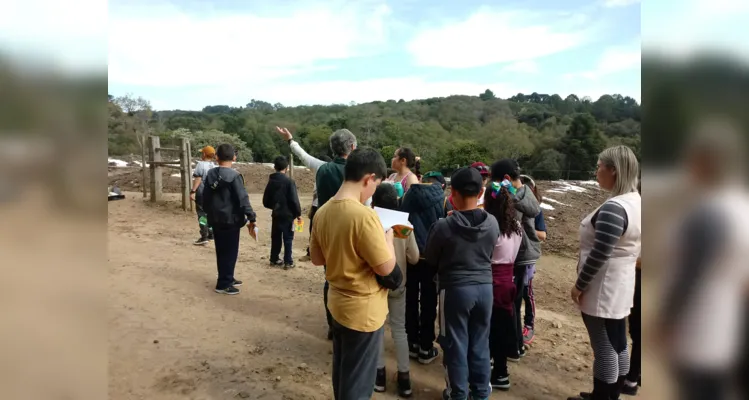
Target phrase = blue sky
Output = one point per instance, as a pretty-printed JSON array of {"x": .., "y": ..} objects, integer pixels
[{"x": 188, "y": 54}]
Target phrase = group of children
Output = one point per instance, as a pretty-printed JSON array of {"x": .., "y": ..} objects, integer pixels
[{"x": 471, "y": 256}]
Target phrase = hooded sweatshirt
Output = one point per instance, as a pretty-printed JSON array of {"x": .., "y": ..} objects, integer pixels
[
  {"x": 423, "y": 203},
  {"x": 281, "y": 196},
  {"x": 461, "y": 248},
  {"x": 225, "y": 199},
  {"x": 527, "y": 208}
]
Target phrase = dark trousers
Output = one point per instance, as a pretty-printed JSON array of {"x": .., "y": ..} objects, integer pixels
[
  {"x": 465, "y": 320},
  {"x": 355, "y": 356},
  {"x": 421, "y": 304},
  {"x": 743, "y": 370},
  {"x": 530, "y": 304},
  {"x": 502, "y": 340},
  {"x": 519, "y": 276},
  {"x": 325, "y": 289},
  {"x": 227, "y": 250},
  {"x": 698, "y": 385},
  {"x": 282, "y": 231},
  {"x": 635, "y": 332},
  {"x": 312, "y": 213}
]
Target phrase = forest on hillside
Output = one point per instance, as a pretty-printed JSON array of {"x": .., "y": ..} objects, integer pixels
[{"x": 552, "y": 137}]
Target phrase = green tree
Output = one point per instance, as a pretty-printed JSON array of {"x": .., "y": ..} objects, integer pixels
[
  {"x": 461, "y": 154},
  {"x": 487, "y": 95},
  {"x": 581, "y": 147},
  {"x": 387, "y": 153}
]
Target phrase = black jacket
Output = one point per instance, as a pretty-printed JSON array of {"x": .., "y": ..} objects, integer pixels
[
  {"x": 281, "y": 196},
  {"x": 423, "y": 203},
  {"x": 461, "y": 248},
  {"x": 225, "y": 200}
]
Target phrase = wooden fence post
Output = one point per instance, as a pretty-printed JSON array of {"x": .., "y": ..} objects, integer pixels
[
  {"x": 188, "y": 156},
  {"x": 291, "y": 165},
  {"x": 184, "y": 173},
  {"x": 154, "y": 155}
]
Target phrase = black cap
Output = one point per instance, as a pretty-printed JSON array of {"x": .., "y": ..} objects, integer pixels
[{"x": 467, "y": 181}]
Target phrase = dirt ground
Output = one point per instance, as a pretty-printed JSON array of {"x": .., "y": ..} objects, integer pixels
[{"x": 172, "y": 337}]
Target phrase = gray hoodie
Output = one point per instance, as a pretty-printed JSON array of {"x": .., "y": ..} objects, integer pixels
[
  {"x": 461, "y": 247},
  {"x": 528, "y": 208}
]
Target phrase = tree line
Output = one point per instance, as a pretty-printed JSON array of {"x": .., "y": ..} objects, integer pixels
[{"x": 552, "y": 137}]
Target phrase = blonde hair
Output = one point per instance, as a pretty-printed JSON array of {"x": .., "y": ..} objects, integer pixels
[{"x": 622, "y": 160}]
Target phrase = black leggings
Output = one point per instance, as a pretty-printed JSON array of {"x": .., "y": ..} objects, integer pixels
[
  {"x": 519, "y": 272},
  {"x": 608, "y": 338},
  {"x": 312, "y": 212},
  {"x": 635, "y": 332},
  {"x": 421, "y": 305}
]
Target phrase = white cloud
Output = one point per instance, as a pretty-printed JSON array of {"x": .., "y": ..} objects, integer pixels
[
  {"x": 490, "y": 37},
  {"x": 524, "y": 66},
  {"x": 161, "y": 45},
  {"x": 613, "y": 60},
  {"x": 335, "y": 92},
  {"x": 619, "y": 3}
]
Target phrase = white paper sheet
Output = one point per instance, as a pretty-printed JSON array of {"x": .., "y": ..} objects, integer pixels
[{"x": 391, "y": 218}]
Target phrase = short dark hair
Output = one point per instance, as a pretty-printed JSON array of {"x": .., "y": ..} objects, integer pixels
[
  {"x": 409, "y": 155},
  {"x": 386, "y": 196},
  {"x": 504, "y": 167},
  {"x": 325, "y": 158},
  {"x": 225, "y": 152},
  {"x": 467, "y": 181},
  {"x": 364, "y": 161},
  {"x": 280, "y": 163}
]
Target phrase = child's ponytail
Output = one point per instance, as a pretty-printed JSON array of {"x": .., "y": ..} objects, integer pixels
[{"x": 499, "y": 203}]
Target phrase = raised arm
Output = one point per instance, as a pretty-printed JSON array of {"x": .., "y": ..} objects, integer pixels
[{"x": 311, "y": 162}]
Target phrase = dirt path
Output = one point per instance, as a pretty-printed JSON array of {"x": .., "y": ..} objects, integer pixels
[{"x": 171, "y": 337}]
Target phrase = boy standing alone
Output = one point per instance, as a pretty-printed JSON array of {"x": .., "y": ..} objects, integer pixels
[
  {"x": 461, "y": 247},
  {"x": 228, "y": 209},
  {"x": 348, "y": 237},
  {"x": 281, "y": 196}
]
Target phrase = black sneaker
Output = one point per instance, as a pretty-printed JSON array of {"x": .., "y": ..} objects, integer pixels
[
  {"x": 278, "y": 263},
  {"x": 404, "y": 384},
  {"x": 229, "y": 290},
  {"x": 201, "y": 242},
  {"x": 501, "y": 382},
  {"x": 413, "y": 350},
  {"x": 237, "y": 283},
  {"x": 380, "y": 381},
  {"x": 630, "y": 388},
  {"x": 288, "y": 266},
  {"x": 427, "y": 356}
]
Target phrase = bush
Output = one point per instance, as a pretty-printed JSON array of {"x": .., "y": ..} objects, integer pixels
[{"x": 200, "y": 139}]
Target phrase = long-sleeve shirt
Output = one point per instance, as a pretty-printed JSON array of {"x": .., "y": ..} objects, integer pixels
[
  {"x": 311, "y": 162},
  {"x": 610, "y": 223}
]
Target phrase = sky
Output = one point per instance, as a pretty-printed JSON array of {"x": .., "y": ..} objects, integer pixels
[
  {"x": 189, "y": 54},
  {"x": 186, "y": 54}
]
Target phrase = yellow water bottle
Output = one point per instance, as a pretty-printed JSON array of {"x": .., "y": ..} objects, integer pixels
[{"x": 299, "y": 225}]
